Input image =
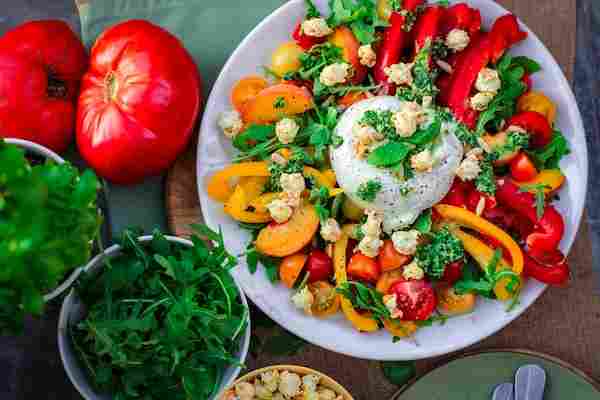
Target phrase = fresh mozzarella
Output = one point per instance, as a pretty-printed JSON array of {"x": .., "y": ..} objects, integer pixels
[{"x": 401, "y": 201}]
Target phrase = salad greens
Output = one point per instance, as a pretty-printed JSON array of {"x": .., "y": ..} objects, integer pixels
[
  {"x": 368, "y": 190},
  {"x": 365, "y": 298},
  {"x": 443, "y": 249},
  {"x": 163, "y": 319},
  {"x": 360, "y": 15},
  {"x": 549, "y": 156},
  {"x": 48, "y": 220}
]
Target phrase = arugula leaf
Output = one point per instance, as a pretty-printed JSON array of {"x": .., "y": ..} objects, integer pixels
[
  {"x": 311, "y": 10},
  {"x": 539, "y": 194},
  {"x": 158, "y": 313},
  {"x": 389, "y": 154},
  {"x": 253, "y": 135},
  {"x": 360, "y": 15},
  {"x": 399, "y": 372},
  {"x": 294, "y": 165},
  {"x": 368, "y": 190},
  {"x": 319, "y": 196},
  {"x": 529, "y": 65},
  {"x": 443, "y": 249},
  {"x": 48, "y": 220},
  {"x": 550, "y": 155},
  {"x": 365, "y": 298}
]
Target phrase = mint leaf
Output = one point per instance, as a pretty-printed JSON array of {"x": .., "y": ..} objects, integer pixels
[
  {"x": 389, "y": 154},
  {"x": 424, "y": 223}
]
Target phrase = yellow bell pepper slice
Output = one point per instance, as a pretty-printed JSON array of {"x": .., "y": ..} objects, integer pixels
[
  {"x": 539, "y": 102},
  {"x": 219, "y": 188},
  {"x": 318, "y": 176},
  {"x": 471, "y": 220},
  {"x": 329, "y": 174},
  {"x": 483, "y": 255},
  {"x": 236, "y": 208},
  {"x": 361, "y": 322},
  {"x": 551, "y": 179}
]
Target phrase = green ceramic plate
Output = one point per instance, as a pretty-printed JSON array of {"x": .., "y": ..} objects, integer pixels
[{"x": 473, "y": 377}]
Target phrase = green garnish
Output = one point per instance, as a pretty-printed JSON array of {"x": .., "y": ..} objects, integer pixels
[
  {"x": 360, "y": 15},
  {"x": 549, "y": 156},
  {"x": 474, "y": 281},
  {"x": 539, "y": 194},
  {"x": 443, "y": 249},
  {"x": 381, "y": 121},
  {"x": 295, "y": 164},
  {"x": 424, "y": 223},
  {"x": 319, "y": 196},
  {"x": 279, "y": 103},
  {"x": 311, "y": 10},
  {"x": 389, "y": 154},
  {"x": 514, "y": 142},
  {"x": 486, "y": 180},
  {"x": 368, "y": 190},
  {"x": 48, "y": 219},
  {"x": 365, "y": 298}
]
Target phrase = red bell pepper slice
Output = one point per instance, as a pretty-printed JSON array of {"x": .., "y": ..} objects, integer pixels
[
  {"x": 305, "y": 41},
  {"x": 427, "y": 26},
  {"x": 505, "y": 33},
  {"x": 395, "y": 40},
  {"x": 555, "y": 271},
  {"x": 472, "y": 61},
  {"x": 457, "y": 195},
  {"x": 461, "y": 16},
  {"x": 548, "y": 230},
  {"x": 536, "y": 124}
]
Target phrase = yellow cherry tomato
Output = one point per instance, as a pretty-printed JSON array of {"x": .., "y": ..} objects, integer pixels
[{"x": 286, "y": 58}]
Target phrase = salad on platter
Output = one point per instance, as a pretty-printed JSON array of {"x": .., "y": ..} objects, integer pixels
[{"x": 394, "y": 164}]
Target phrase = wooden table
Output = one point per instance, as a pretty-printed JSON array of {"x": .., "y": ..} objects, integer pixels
[{"x": 564, "y": 322}]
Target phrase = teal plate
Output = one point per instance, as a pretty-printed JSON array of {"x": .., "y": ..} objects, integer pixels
[{"x": 474, "y": 377}]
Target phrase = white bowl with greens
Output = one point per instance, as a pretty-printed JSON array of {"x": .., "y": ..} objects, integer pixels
[
  {"x": 50, "y": 218},
  {"x": 157, "y": 315}
]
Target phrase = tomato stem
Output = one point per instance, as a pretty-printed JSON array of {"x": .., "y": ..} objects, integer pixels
[
  {"x": 112, "y": 86},
  {"x": 56, "y": 87}
]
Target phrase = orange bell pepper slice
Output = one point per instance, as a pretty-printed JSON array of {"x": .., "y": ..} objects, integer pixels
[
  {"x": 471, "y": 220},
  {"x": 236, "y": 208},
  {"x": 219, "y": 188},
  {"x": 363, "y": 323},
  {"x": 550, "y": 179},
  {"x": 319, "y": 177},
  {"x": 323, "y": 290}
]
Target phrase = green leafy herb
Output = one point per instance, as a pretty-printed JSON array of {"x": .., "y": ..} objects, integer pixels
[
  {"x": 368, "y": 190},
  {"x": 549, "y": 156},
  {"x": 530, "y": 66},
  {"x": 399, "y": 372},
  {"x": 514, "y": 142},
  {"x": 426, "y": 135},
  {"x": 316, "y": 59},
  {"x": 423, "y": 75},
  {"x": 294, "y": 165},
  {"x": 389, "y": 154},
  {"x": 504, "y": 104},
  {"x": 311, "y": 10},
  {"x": 540, "y": 196},
  {"x": 486, "y": 180},
  {"x": 48, "y": 219},
  {"x": 360, "y": 15},
  {"x": 253, "y": 135},
  {"x": 439, "y": 49},
  {"x": 320, "y": 131},
  {"x": 381, "y": 121},
  {"x": 443, "y": 249},
  {"x": 440, "y": 319},
  {"x": 473, "y": 282},
  {"x": 163, "y": 320},
  {"x": 365, "y": 298},
  {"x": 424, "y": 223},
  {"x": 279, "y": 103},
  {"x": 319, "y": 196}
]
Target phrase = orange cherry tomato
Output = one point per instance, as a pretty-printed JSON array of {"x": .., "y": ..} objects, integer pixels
[
  {"x": 364, "y": 268},
  {"x": 291, "y": 267},
  {"x": 522, "y": 168},
  {"x": 388, "y": 279},
  {"x": 327, "y": 301},
  {"x": 351, "y": 97},
  {"x": 389, "y": 259},
  {"x": 246, "y": 89}
]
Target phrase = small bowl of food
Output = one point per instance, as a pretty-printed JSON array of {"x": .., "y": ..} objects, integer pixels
[
  {"x": 157, "y": 315},
  {"x": 279, "y": 382}
]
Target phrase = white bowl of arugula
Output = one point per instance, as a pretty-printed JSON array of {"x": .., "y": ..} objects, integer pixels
[
  {"x": 157, "y": 315},
  {"x": 50, "y": 219}
]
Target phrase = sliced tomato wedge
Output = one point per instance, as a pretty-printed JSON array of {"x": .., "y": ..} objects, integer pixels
[{"x": 416, "y": 299}]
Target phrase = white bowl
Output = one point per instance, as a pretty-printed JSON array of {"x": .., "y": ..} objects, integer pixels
[
  {"x": 47, "y": 153},
  {"x": 72, "y": 311},
  {"x": 215, "y": 151}
]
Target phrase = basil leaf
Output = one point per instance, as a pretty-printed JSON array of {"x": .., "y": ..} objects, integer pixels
[
  {"x": 428, "y": 134},
  {"x": 424, "y": 223},
  {"x": 388, "y": 154},
  {"x": 530, "y": 66}
]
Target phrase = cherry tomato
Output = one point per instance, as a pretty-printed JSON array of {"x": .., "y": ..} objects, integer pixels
[
  {"x": 291, "y": 267},
  {"x": 319, "y": 265},
  {"x": 453, "y": 272},
  {"x": 522, "y": 168},
  {"x": 416, "y": 299},
  {"x": 457, "y": 196},
  {"x": 364, "y": 268},
  {"x": 389, "y": 259},
  {"x": 286, "y": 58}
]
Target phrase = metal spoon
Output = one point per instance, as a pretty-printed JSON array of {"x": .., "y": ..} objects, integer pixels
[
  {"x": 504, "y": 391},
  {"x": 530, "y": 382}
]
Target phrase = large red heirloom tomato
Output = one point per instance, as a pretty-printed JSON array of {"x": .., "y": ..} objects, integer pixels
[
  {"x": 138, "y": 102},
  {"x": 41, "y": 63}
]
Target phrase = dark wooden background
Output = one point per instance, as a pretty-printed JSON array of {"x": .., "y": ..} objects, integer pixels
[{"x": 564, "y": 322}]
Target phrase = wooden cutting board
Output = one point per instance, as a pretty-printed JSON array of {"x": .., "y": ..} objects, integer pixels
[{"x": 564, "y": 322}]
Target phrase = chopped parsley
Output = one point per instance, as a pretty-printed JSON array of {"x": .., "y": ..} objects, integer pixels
[
  {"x": 294, "y": 165},
  {"x": 514, "y": 142},
  {"x": 539, "y": 194},
  {"x": 279, "y": 103},
  {"x": 368, "y": 190},
  {"x": 319, "y": 196},
  {"x": 486, "y": 180},
  {"x": 423, "y": 75},
  {"x": 381, "y": 121},
  {"x": 443, "y": 249}
]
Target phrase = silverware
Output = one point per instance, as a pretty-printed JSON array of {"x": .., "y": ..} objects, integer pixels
[
  {"x": 504, "y": 391},
  {"x": 530, "y": 381}
]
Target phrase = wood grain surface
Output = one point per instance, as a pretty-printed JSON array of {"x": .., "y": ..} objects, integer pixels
[{"x": 564, "y": 322}]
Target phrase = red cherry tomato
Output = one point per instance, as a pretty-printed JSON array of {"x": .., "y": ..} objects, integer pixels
[
  {"x": 453, "y": 272},
  {"x": 522, "y": 168},
  {"x": 319, "y": 265},
  {"x": 138, "y": 103},
  {"x": 389, "y": 259},
  {"x": 416, "y": 299},
  {"x": 305, "y": 41},
  {"x": 364, "y": 268},
  {"x": 41, "y": 63}
]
